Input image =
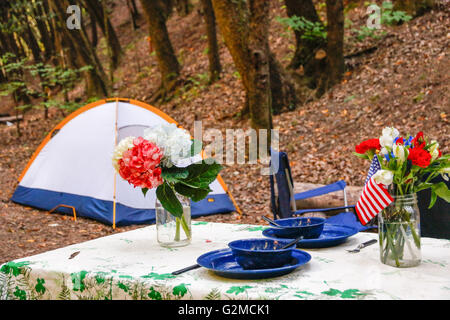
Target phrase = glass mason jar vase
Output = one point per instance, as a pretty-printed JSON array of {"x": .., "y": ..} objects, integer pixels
[
  {"x": 172, "y": 231},
  {"x": 399, "y": 232}
]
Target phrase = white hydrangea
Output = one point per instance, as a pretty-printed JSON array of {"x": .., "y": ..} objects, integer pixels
[
  {"x": 173, "y": 141},
  {"x": 124, "y": 145}
]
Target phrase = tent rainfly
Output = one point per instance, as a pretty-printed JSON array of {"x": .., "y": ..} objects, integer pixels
[{"x": 71, "y": 171}]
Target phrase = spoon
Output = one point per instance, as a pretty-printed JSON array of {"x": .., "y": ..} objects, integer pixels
[
  {"x": 272, "y": 222},
  {"x": 292, "y": 242}
]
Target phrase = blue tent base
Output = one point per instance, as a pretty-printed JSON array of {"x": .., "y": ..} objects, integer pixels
[{"x": 102, "y": 210}]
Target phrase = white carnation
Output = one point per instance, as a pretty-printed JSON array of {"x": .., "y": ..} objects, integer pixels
[
  {"x": 124, "y": 145},
  {"x": 173, "y": 141}
]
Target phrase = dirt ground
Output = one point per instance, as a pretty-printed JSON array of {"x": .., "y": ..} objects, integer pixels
[{"x": 403, "y": 83}]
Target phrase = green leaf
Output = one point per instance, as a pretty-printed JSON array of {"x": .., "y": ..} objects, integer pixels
[
  {"x": 362, "y": 156},
  {"x": 196, "y": 147},
  {"x": 169, "y": 200},
  {"x": 201, "y": 174},
  {"x": 442, "y": 191},
  {"x": 433, "y": 199},
  {"x": 174, "y": 174},
  {"x": 144, "y": 191},
  {"x": 195, "y": 194}
]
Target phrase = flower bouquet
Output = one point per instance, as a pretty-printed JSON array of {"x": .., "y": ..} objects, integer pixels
[
  {"x": 408, "y": 165},
  {"x": 155, "y": 160}
]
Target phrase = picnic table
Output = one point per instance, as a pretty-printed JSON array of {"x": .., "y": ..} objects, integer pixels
[{"x": 131, "y": 265}]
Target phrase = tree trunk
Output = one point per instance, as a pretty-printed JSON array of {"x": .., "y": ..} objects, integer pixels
[
  {"x": 32, "y": 43},
  {"x": 305, "y": 48},
  {"x": 159, "y": 37},
  {"x": 213, "y": 49},
  {"x": 40, "y": 19},
  {"x": 283, "y": 87},
  {"x": 335, "y": 46},
  {"x": 183, "y": 7},
  {"x": 260, "y": 97},
  {"x": 96, "y": 84},
  {"x": 134, "y": 14},
  {"x": 94, "y": 35},
  {"x": 245, "y": 31},
  {"x": 98, "y": 10}
]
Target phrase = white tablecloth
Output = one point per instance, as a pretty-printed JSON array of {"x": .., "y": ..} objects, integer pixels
[{"x": 131, "y": 265}]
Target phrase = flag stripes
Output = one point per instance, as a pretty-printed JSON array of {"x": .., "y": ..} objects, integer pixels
[{"x": 374, "y": 198}]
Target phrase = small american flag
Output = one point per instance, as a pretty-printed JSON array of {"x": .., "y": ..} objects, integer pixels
[{"x": 375, "y": 196}]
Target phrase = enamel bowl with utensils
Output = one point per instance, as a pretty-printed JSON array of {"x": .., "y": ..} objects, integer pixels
[
  {"x": 262, "y": 253},
  {"x": 308, "y": 227}
]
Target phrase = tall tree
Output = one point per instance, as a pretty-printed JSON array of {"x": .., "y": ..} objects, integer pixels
[
  {"x": 213, "y": 49},
  {"x": 96, "y": 80},
  {"x": 335, "y": 66},
  {"x": 41, "y": 20},
  {"x": 305, "y": 48},
  {"x": 244, "y": 26},
  {"x": 168, "y": 64},
  {"x": 134, "y": 13},
  {"x": 98, "y": 10}
]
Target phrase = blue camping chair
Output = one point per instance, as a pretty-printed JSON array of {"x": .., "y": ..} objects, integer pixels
[{"x": 283, "y": 201}]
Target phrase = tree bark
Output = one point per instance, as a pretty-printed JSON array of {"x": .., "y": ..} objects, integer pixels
[
  {"x": 283, "y": 87},
  {"x": 260, "y": 98},
  {"x": 335, "y": 46},
  {"x": 94, "y": 35},
  {"x": 213, "y": 49},
  {"x": 98, "y": 10},
  {"x": 167, "y": 61},
  {"x": 183, "y": 7},
  {"x": 96, "y": 83},
  {"x": 245, "y": 31},
  {"x": 134, "y": 14},
  {"x": 305, "y": 48},
  {"x": 40, "y": 18}
]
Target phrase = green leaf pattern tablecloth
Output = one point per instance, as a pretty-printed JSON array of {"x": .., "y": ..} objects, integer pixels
[{"x": 131, "y": 265}]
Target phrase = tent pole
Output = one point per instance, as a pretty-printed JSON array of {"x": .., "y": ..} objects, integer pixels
[{"x": 115, "y": 174}]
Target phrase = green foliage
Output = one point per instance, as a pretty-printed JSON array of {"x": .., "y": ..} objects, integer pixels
[
  {"x": 391, "y": 17},
  {"x": 49, "y": 77},
  {"x": 365, "y": 32},
  {"x": 388, "y": 17},
  {"x": 314, "y": 31},
  {"x": 192, "y": 182}
]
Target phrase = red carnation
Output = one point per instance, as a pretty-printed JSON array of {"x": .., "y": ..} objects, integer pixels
[
  {"x": 139, "y": 165},
  {"x": 419, "y": 141},
  {"x": 419, "y": 157},
  {"x": 367, "y": 145}
]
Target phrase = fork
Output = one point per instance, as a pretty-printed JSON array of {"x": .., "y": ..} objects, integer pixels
[{"x": 362, "y": 245}]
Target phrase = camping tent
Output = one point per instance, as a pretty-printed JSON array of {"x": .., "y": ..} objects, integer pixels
[{"x": 72, "y": 172}]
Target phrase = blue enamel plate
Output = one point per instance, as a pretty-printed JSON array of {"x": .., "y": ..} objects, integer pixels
[
  {"x": 332, "y": 235},
  {"x": 223, "y": 263}
]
